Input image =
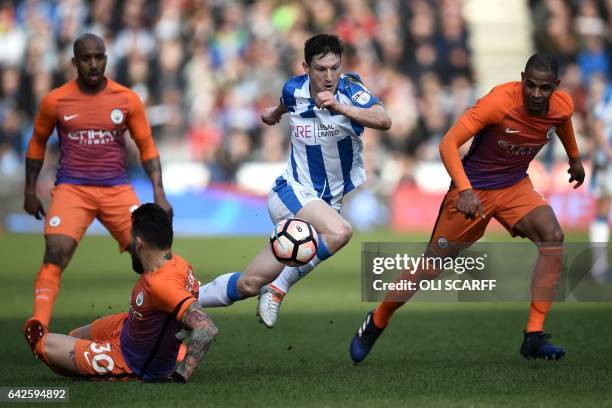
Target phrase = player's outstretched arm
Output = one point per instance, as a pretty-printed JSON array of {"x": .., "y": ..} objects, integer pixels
[
  {"x": 468, "y": 203},
  {"x": 272, "y": 115},
  {"x": 153, "y": 169},
  {"x": 43, "y": 127},
  {"x": 568, "y": 139},
  {"x": 203, "y": 332},
  {"x": 454, "y": 138},
  {"x": 31, "y": 203},
  {"x": 140, "y": 131},
  {"x": 374, "y": 117}
]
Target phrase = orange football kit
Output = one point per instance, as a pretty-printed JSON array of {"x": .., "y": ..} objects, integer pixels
[
  {"x": 506, "y": 140},
  {"x": 92, "y": 180},
  {"x": 141, "y": 343}
]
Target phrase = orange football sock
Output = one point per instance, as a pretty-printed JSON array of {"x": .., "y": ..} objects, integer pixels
[
  {"x": 394, "y": 299},
  {"x": 383, "y": 313},
  {"x": 46, "y": 287},
  {"x": 544, "y": 285},
  {"x": 537, "y": 315}
]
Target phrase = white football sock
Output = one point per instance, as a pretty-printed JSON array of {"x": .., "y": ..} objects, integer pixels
[
  {"x": 291, "y": 274},
  {"x": 219, "y": 292},
  {"x": 599, "y": 234}
]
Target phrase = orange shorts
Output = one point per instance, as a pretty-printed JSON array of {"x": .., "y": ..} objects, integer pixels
[
  {"x": 101, "y": 356},
  {"x": 73, "y": 208},
  {"x": 507, "y": 205}
]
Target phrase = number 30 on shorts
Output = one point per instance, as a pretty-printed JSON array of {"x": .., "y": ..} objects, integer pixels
[{"x": 101, "y": 362}]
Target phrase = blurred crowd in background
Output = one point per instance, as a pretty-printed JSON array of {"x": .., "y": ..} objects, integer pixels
[
  {"x": 579, "y": 34},
  {"x": 206, "y": 69}
]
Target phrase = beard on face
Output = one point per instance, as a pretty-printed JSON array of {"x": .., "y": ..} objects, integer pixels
[{"x": 136, "y": 264}]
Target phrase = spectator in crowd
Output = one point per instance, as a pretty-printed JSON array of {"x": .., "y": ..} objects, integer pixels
[{"x": 204, "y": 70}]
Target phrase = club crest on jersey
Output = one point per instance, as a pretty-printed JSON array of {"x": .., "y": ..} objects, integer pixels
[
  {"x": 116, "y": 116},
  {"x": 442, "y": 243},
  {"x": 55, "y": 221},
  {"x": 551, "y": 132},
  {"x": 140, "y": 298},
  {"x": 361, "y": 97}
]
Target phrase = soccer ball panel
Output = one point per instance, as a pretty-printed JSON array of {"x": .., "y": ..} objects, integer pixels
[
  {"x": 306, "y": 252},
  {"x": 278, "y": 230},
  {"x": 293, "y": 242},
  {"x": 283, "y": 247},
  {"x": 298, "y": 230}
]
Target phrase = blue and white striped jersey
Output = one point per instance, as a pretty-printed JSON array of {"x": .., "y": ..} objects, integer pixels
[{"x": 326, "y": 147}]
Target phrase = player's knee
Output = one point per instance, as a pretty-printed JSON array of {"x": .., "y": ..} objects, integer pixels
[
  {"x": 49, "y": 347},
  {"x": 346, "y": 232},
  {"x": 56, "y": 255},
  {"x": 341, "y": 235},
  {"x": 553, "y": 235}
]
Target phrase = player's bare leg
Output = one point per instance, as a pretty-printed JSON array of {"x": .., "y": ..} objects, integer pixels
[
  {"x": 333, "y": 231},
  {"x": 83, "y": 332},
  {"x": 57, "y": 352},
  {"x": 59, "y": 249},
  {"x": 542, "y": 228}
]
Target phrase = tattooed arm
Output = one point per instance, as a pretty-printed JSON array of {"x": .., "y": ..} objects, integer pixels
[
  {"x": 203, "y": 332},
  {"x": 153, "y": 169}
]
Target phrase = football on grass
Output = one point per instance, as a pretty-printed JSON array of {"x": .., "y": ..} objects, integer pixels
[{"x": 294, "y": 242}]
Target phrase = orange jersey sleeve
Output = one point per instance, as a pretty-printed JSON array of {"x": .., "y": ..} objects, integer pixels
[
  {"x": 566, "y": 131},
  {"x": 139, "y": 128},
  {"x": 43, "y": 127},
  {"x": 489, "y": 110},
  {"x": 566, "y": 135},
  {"x": 168, "y": 291},
  {"x": 449, "y": 151}
]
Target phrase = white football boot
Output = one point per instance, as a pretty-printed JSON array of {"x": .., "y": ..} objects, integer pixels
[{"x": 268, "y": 305}]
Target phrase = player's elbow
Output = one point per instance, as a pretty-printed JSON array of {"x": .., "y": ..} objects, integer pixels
[
  {"x": 383, "y": 121},
  {"x": 386, "y": 123},
  {"x": 447, "y": 145},
  {"x": 442, "y": 147}
]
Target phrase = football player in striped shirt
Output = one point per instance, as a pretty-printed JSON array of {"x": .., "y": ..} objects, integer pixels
[{"x": 329, "y": 112}]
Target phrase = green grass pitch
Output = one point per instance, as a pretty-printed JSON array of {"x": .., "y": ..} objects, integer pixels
[{"x": 433, "y": 354}]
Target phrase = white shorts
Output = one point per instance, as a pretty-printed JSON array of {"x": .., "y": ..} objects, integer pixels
[
  {"x": 288, "y": 197},
  {"x": 601, "y": 182}
]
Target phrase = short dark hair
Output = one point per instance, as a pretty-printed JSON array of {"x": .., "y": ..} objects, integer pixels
[
  {"x": 151, "y": 223},
  {"x": 85, "y": 37},
  {"x": 543, "y": 63},
  {"x": 322, "y": 44}
]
